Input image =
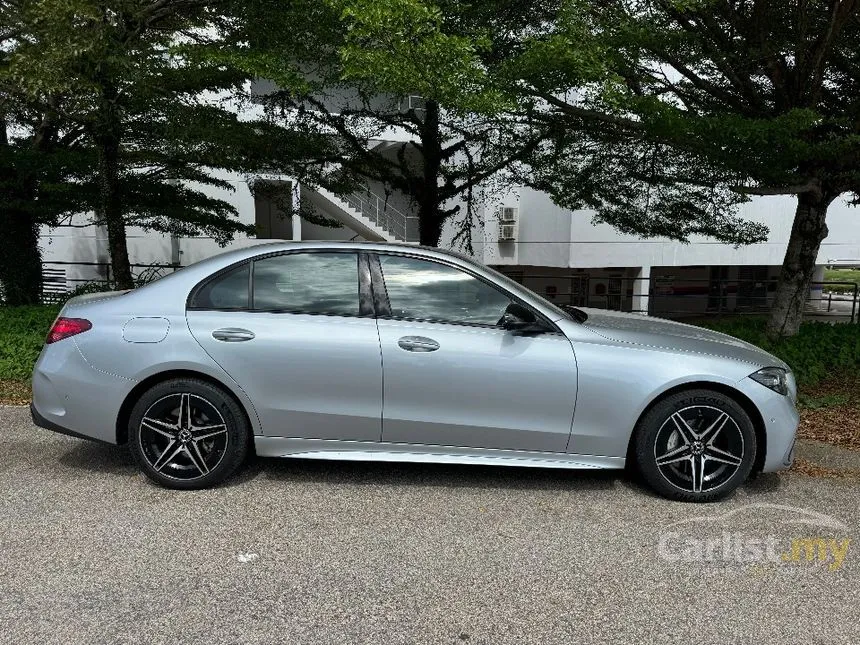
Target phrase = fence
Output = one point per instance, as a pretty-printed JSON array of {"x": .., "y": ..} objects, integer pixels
[
  {"x": 673, "y": 298},
  {"x": 60, "y": 279},
  {"x": 689, "y": 297}
]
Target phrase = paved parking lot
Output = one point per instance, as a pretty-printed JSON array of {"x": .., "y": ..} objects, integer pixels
[{"x": 316, "y": 552}]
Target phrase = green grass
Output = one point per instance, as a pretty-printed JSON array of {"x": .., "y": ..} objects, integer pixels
[
  {"x": 22, "y": 334},
  {"x": 819, "y": 351},
  {"x": 841, "y": 275}
]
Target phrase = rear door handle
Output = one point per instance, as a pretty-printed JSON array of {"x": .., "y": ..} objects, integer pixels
[
  {"x": 418, "y": 344},
  {"x": 233, "y": 335}
]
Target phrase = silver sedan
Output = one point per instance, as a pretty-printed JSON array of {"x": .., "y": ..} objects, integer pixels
[{"x": 383, "y": 352}]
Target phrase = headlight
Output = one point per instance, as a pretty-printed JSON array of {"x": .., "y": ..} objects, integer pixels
[{"x": 773, "y": 378}]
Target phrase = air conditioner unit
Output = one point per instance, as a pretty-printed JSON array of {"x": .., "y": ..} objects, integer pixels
[
  {"x": 413, "y": 102},
  {"x": 508, "y": 224},
  {"x": 507, "y": 232}
]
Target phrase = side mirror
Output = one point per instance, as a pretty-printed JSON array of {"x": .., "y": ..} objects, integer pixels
[{"x": 519, "y": 318}]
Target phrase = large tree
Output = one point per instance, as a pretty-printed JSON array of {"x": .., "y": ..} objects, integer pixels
[
  {"x": 43, "y": 167},
  {"x": 154, "y": 114},
  {"x": 356, "y": 70},
  {"x": 43, "y": 173},
  {"x": 683, "y": 109}
]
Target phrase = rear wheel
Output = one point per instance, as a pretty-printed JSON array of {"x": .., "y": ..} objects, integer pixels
[
  {"x": 188, "y": 434},
  {"x": 696, "y": 446}
]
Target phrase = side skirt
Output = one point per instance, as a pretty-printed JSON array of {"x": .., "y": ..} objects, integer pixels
[{"x": 418, "y": 453}]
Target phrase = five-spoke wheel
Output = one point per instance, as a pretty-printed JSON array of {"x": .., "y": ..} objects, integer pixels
[
  {"x": 697, "y": 445},
  {"x": 187, "y": 433}
]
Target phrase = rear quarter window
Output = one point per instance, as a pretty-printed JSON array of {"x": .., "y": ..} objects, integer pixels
[{"x": 226, "y": 291}]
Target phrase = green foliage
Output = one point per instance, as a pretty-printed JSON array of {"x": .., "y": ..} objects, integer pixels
[
  {"x": 347, "y": 67},
  {"x": 22, "y": 335},
  {"x": 841, "y": 275},
  {"x": 131, "y": 77},
  {"x": 401, "y": 47},
  {"x": 825, "y": 401},
  {"x": 820, "y": 350},
  {"x": 682, "y": 109}
]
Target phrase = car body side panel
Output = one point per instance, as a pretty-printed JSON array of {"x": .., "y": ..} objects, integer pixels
[
  {"x": 311, "y": 376},
  {"x": 409, "y": 452},
  {"x": 618, "y": 381},
  {"x": 71, "y": 393},
  {"x": 483, "y": 388},
  {"x": 780, "y": 419},
  {"x": 106, "y": 358}
]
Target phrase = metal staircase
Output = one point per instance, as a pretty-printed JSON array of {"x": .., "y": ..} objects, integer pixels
[{"x": 369, "y": 214}]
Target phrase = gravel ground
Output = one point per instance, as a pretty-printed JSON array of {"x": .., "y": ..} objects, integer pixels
[{"x": 315, "y": 552}]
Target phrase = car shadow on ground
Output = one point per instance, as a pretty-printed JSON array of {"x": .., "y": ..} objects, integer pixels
[
  {"x": 356, "y": 473},
  {"x": 97, "y": 457},
  {"x": 101, "y": 458}
]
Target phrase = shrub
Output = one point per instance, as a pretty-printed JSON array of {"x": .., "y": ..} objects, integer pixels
[
  {"x": 819, "y": 350},
  {"x": 22, "y": 334}
]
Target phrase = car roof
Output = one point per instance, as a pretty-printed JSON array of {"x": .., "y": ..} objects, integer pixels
[
  {"x": 186, "y": 278},
  {"x": 168, "y": 295},
  {"x": 253, "y": 250}
]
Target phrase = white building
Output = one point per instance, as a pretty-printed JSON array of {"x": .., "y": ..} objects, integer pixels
[{"x": 559, "y": 253}]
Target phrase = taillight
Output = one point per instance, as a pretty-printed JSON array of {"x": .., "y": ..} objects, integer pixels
[{"x": 65, "y": 327}]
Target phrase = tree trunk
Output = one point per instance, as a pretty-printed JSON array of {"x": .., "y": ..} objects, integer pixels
[
  {"x": 430, "y": 220},
  {"x": 110, "y": 202},
  {"x": 807, "y": 233},
  {"x": 20, "y": 257},
  {"x": 21, "y": 261}
]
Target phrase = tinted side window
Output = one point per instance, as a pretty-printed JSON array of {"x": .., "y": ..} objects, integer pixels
[
  {"x": 228, "y": 291},
  {"x": 320, "y": 283},
  {"x": 429, "y": 291}
]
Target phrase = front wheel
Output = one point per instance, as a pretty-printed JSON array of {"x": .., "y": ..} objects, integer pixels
[
  {"x": 696, "y": 446},
  {"x": 188, "y": 434}
]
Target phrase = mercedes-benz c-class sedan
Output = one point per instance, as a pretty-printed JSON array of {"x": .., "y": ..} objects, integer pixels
[{"x": 385, "y": 352}]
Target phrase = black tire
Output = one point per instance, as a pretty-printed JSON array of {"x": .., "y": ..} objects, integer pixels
[
  {"x": 673, "y": 457},
  {"x": 203, "y": 456}
]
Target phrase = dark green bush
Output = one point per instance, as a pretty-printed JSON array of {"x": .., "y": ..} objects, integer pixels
[
  {"x": 22, "y": 334},
  {"x": 819, "y": 350}
]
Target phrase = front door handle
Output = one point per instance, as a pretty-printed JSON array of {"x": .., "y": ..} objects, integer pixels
[
  {"x": 233, "y": 335},
  {"x": 418, "y": 344}
]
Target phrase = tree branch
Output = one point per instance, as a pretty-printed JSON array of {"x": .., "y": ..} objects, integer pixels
[{"x": 812, "y": 186}]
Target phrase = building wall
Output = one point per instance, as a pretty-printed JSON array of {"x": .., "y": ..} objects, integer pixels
[
  {"x": 543, "y": 224},
  {"x": 549, "y": 238}
]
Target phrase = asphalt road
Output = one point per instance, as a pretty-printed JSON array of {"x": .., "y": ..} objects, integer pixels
[{"x": 315, "y": 552}]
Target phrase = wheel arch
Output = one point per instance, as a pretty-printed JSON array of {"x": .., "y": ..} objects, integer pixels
[
  {"x": 160, "y": 377},
  {"x": 736, "y": 395}
]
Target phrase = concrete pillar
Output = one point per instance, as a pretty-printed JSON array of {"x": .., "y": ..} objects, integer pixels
[
  {"x": 641, "y": 287},
  {"x": 816, "y": 292},
  {"x": 297, "y": 203}
]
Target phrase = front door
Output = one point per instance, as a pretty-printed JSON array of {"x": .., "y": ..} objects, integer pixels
[
  {"x": 290, "y": 329},
  {"x": 453, "y": 377}
]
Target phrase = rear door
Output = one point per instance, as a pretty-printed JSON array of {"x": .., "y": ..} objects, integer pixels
[{"x": 294, "y": 330}]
